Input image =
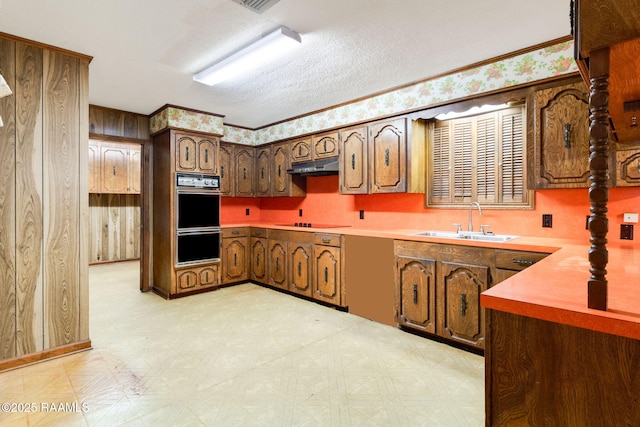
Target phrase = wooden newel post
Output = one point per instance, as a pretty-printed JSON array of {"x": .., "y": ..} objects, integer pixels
[{"x": 598, "y": 164}]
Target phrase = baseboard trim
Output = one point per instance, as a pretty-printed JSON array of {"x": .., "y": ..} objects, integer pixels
[{"x": 30, "y": 359}]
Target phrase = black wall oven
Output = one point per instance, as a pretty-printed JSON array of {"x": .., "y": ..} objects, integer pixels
[{"x": 197, "y": 218}]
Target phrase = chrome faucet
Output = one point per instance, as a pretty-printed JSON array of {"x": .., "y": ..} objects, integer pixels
[{"x": 471, "y": 213}]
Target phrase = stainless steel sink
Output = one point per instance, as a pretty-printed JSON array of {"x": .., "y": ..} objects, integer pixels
[{"x": 467, "y": 236}]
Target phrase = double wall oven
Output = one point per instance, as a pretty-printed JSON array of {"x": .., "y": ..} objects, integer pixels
[{"x": 197, "y": 218}]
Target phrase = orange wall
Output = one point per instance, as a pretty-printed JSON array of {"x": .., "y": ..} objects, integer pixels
[{"x": 324, "y": 204}]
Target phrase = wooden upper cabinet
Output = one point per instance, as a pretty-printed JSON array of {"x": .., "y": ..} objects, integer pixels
[
  {"x": 561, "y": 137},
  {"x": 263, "y": 172},
  {"x": 279, "y": 177},
  {"x": 301, "y": 150},
  {"x": 387, "y": 156},
  {"x": 196, "y": 153},
  {"x": 114, "y": 167},
  {"x": 354, "y": 178},
  {"x": 627, "y": 167},
  {"x": 244, "y": 172},
  {"x": 115, "y": 163},
  {"x": 226, "y": 168},
  {"x": 94, "y": 167},
  {"x": 325, "y": 145},
  {"x": 135, "y": 169}
]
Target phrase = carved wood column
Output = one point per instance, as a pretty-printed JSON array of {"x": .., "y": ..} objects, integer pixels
[{"x": 598, "y": 164}]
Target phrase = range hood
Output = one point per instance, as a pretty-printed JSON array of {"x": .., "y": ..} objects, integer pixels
[{"x": 315, "y": 168}]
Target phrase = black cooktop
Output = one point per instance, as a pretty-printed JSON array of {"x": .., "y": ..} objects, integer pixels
[{"x": 312, "y": 225}]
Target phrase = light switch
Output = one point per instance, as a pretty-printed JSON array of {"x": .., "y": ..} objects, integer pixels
[{"x": 630, "y": 217}]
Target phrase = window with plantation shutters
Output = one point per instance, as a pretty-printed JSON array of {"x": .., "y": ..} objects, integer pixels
[{"x": 479, "y": 158}]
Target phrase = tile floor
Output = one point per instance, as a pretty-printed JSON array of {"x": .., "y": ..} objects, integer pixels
[{"x": 242, "y": 356}]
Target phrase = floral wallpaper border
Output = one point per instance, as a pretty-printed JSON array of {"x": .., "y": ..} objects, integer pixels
[{"x": 535, "y": 65}]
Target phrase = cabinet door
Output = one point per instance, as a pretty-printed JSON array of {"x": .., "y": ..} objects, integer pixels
[
  {"x": 244, "y": 167},
  {"x": 460, "y": 316},
  {"x": 325, "y": 145},
  {"x": 115, "y": 164},
  {"x": 300, "y": 150},
  {"x": 94, "y": 167},
  {"x": 300, "y": 265},
  {"x": 387, "y": 157},
  {"x": 259, "y": 260},
  {"x": 209, "y": 276},
  {"x": 278, "y": 263},
  {"x": 562, "y": 137},
  {"x": 416, "y": 293},
  {"x": 135, "y": 168},
  {"x": 187, "y": 280},
  {"x": 263, "y": 169},
  {"x": 235, "y": 259},
  {"x": 226, "y": 168},
  {"x": 627, "y": 167},
  {"x": 207, "y": 156},
  {"x": 279, "y": 177},
  {"x": 354, "y": 177},
  {"x": 186, "y": 147},
  {"x": 327, "y": 274}
]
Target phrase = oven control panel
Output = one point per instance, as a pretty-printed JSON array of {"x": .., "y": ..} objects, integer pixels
[{"x": 198, "y": 181}]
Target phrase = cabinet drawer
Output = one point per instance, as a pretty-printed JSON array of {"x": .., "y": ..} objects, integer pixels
[
  {"x": 234, "y": 232},
  {"x": 327, "y": 239},
  {"x": 258, "y": 232},
  {"x": 517, "y": 260}
]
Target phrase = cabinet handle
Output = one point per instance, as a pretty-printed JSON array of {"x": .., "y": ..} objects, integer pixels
[
  {"x": 279, "y": 171},
  {"x": 324, "y": 145},
  {"x": 262, "y": 173},
  {"x": 463, "y": 304},
  {"x": 206, "y": 276},
  {"x": 186, "y": 153},
  {"x": 244, "y": 173},
  {"x": 326, "y": 274},
  {"x": 415, "y": 293},
  {"x": 299, "y": 268},
  {"x": 236, "y": 232},
  {"x": 188, "y": 284},
  {"x": 567, "y": 135},
  {"x": 386, "y": 157},
  {"x": 206, "y": 155},
  {"x": 277, "y": 264},
  {"x": 114, "y": 171},
  {"x": 222, "y": 171},
  {"x": 235, "y": 260},
  {"x": 353, "y": 162},
  {"x": 326, "y": 240},
  {"x": 258, "y": 260},
  {"x": 300, "y": 150},
  {"x": 526, "y": 262}
]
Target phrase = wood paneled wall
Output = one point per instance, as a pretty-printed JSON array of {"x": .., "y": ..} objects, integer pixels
[
  {"x": 114, "y": 227},
  {"x": 43, "y": 204}
]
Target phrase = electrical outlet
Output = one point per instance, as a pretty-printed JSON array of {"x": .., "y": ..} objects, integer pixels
[
  {"x": 547, "y": 220},
  {"x": 247, "y": 212},
  {"x": 626, "y": 231},
  {"x": 361, "y": 214},
  {"x": 300, "y": 212}
]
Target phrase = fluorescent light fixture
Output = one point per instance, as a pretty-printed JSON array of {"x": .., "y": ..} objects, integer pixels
[
  {"x": 250, "y": 57},
  {"x": 471, "y": 111}
]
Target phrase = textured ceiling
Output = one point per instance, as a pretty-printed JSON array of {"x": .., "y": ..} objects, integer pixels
[{"x": 146, "y": 51}]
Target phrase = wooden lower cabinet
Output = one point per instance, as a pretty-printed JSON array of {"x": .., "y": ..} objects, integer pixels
[
  {"x": 258, "y": 263},
  {"x": 300, "y": 266},
  {"x": 277, "y": 267},
  {"x": 193, "y": 279},
  {"x": 416, "y": 293},
  {"x": 235, "y": 256},
  {"x": 460, "y": 316},
  {"x": 438, "y": 289},
  {"x": 327, "y": 282}
]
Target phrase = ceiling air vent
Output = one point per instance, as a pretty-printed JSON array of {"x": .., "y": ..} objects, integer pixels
[{"x": 257, "y": 6}]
